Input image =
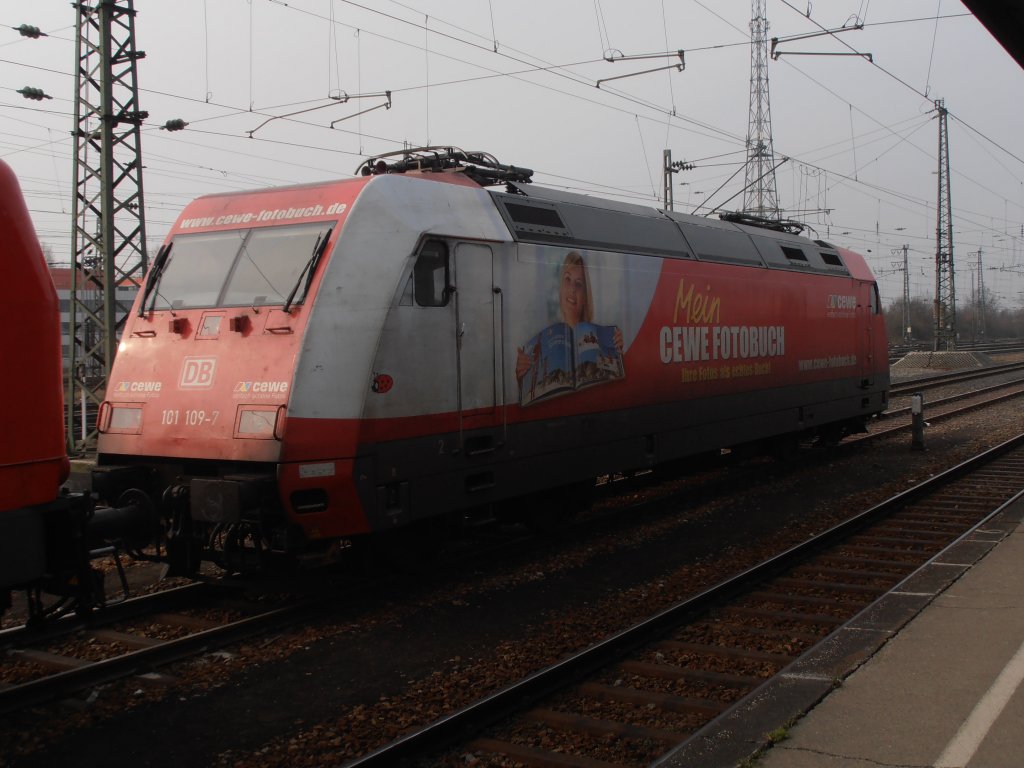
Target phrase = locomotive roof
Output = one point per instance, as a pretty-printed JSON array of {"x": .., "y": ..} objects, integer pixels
[{"x": 543, "y": 215}]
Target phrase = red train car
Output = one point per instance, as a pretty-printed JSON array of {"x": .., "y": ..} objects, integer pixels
[
  {"x": 318, "y": 363},
  {"x": 33, "y": 461},
  {"x": 47, "y": 537}
]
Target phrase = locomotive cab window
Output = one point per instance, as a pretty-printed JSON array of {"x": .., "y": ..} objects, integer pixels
[
  {"x": 275, "y": 263},
  {"x": 195, "y": 270},
  {"x": 430, "y": 275},
  {"x": 244, "y": 267}
]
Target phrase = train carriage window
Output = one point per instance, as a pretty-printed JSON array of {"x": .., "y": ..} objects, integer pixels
[{"x": 430, "y": 275}]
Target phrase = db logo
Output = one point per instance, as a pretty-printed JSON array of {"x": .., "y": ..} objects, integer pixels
[{"x": 197, "y": 372}]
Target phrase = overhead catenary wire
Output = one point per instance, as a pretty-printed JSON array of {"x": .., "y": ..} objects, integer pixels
[
  {"x": 668, "y": 123},
  {"x": 252, "y": 96},
  {"x": 931, "y": 54},
  {"x": 206, "y": 50},
  {"x": 558, "y": 70},
  {"x": 359, "y": 83},
  {"x": 539, "y": 69},
  {"x": 671, "y": 84},
  {"x": 494, "y": 34},
  {"x": 647, "y": 163},
  {"x": 333, "y": 57},
  {"x": 426, "y": 66},
  {"x": 903, "y": 82},
  {"x": 602, "y": 29}
]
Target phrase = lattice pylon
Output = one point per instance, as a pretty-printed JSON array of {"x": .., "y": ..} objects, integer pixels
[
  {"x": 108, "y": 237},
  {"x": 760, "y": 196},
  {"x": 945, "y": 288}
]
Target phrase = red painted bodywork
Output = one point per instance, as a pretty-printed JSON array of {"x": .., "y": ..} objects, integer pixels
[
  {"x": 33, "y": 461},
  {"x": 190, "y": 384}
]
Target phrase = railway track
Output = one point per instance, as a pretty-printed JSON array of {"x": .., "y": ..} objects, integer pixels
[
  {"x": 648, "y": 689},
  {"x": 965, "y": 402},
  {"x": 942, "y": 379},
  {"x": 134, "y": 638}
]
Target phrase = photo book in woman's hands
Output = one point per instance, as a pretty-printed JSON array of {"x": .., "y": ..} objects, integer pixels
[{"x": 564, "y": 359}]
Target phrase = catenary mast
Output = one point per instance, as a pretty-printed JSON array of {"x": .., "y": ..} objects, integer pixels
[
  {"x": 760, "y": 197},
  {"x": 945, "y": 290},
  {"x": 108, "y": 236}
]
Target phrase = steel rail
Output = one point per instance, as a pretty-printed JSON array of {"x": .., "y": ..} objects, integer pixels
[
  {"x": 108, "y": 614},
  {"x": 927, "y": 382},
  {"x": 488, "y": 711},
  {"x": 144, "y": 660},
  {"x": 953, "y": 398},
  {"x": 932, "y": 418}
]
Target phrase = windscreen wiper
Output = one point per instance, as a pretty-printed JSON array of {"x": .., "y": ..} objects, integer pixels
[
  {"x": 308, "y": 271},
  {"x": 153, "y": 279}
]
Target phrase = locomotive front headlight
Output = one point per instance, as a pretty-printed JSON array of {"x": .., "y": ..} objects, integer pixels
[
  {"x": 259, "y": 422},
  {"x": 121, "y": 419},
  {"x": 256, "y": 422}
]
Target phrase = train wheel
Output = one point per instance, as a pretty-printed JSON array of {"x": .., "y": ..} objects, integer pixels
[{"x": 830, "y": 436}]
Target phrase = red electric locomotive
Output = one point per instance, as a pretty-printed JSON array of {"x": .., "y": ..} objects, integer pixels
[
  {"x": 313, "y": 364},
  {"x": 33, "y": 462},
  {"x": 47, "y": 538}
]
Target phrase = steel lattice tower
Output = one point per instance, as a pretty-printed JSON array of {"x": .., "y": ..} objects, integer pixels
[
  {"x": 979, "y": 310},
  {"x": 907, "y": 334},
  {"x": 945, "y": 289},
  {"x": 905, "y": 269},
  {"x": 108, "y": 236},
  {"x": 760, "y": 196}
]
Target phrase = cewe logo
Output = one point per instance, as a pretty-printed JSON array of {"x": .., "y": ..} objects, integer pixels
[
  {"x": 841, "y": 302},
  {"x": 197, "y": 372}
]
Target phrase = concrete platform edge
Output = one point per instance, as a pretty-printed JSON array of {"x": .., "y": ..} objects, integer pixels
[{"x": 746, "y": 729}]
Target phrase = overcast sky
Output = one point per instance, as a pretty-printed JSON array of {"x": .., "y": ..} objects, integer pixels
[{"x": 519, "y": 80}]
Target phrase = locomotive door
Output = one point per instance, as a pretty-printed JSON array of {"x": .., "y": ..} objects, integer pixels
[{"x": 475, "y": 331}]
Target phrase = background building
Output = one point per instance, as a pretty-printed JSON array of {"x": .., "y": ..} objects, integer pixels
[{"x": 62, "y": 282}]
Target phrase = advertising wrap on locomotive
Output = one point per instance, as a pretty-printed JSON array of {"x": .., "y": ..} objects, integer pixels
[{"x": 311, "y": 364}]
